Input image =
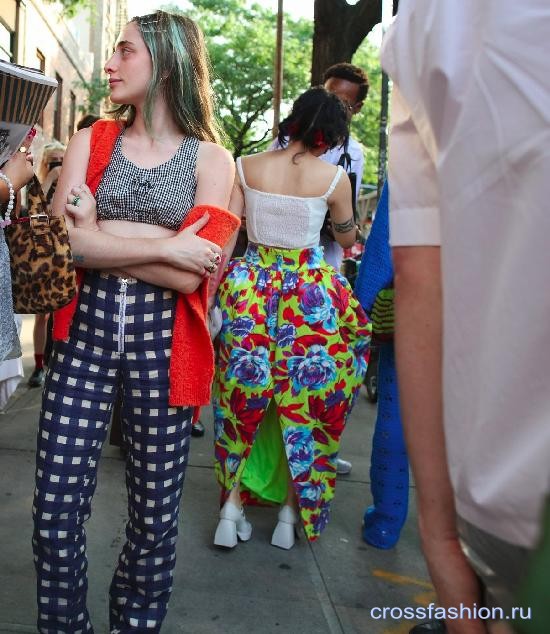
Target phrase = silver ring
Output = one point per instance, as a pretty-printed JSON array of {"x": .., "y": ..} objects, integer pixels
[{"x": 76, "y": 200}]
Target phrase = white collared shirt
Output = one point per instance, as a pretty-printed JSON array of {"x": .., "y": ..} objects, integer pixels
[{"x": 470, "y": 169}]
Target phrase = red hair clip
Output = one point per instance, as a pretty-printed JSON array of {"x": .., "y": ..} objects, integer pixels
[{"x": 319, "y": 139}]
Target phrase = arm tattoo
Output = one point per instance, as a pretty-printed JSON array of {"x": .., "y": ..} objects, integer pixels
[
  {"x": 78, "y": 259},
  {"x": 344, "y": 227}
]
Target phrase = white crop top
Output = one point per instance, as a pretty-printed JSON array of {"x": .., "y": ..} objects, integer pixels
[{"x": 288, "y": 222}]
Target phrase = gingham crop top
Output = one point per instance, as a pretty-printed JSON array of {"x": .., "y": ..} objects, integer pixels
[
  {"x": 162, "y": 195},
  {"x": 288, "y": 222}
]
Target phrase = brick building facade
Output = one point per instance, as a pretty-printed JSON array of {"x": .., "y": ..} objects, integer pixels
[{"x": 34, "y": 33}]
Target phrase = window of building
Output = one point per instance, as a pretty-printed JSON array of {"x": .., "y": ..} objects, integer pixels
[
  {"x": 58, "y": 107},
  {"x": 40, "y": 60},
  {"x": 7, "y": 42},
  {"x": 72, "y": 114}
]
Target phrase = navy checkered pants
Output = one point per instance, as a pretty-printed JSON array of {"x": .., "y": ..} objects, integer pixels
[{"x": 121, "y": 335}]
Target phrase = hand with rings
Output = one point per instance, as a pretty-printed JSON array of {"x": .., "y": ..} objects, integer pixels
[
  {"x": 81, "y": 206},
  {"x": 214, "y": 262},
  {"x": 188, "y": 251}
]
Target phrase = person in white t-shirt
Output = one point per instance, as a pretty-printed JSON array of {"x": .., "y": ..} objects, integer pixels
[
  {"x": 351, "y": 84},
  {"x": 469, "y": 225}
]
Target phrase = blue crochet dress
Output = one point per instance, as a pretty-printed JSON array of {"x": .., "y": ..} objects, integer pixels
[{"x": 389, "y": 470}]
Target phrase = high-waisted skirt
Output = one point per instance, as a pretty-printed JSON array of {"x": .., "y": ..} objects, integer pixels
[{"x": 293, "y": 353}]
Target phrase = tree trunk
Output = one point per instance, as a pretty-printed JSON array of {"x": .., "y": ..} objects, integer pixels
[{"x": 339, "y": 29}]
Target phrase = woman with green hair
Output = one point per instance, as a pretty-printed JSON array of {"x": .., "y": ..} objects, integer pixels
[{"x": 126, "y": 189}]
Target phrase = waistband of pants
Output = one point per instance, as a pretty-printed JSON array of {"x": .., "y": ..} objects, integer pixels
[
  {"x": 110, "y": 276},
  {"x": 101, "y": 280},
  {"x": 280, "y": 258}
]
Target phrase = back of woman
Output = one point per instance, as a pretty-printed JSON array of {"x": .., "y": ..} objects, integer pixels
[
  {"x": 288, "y": 192},
  {"x": 294, "y": 340},
  {"x": 279, "y": 172},
  {"x": 286, "y": 202}
]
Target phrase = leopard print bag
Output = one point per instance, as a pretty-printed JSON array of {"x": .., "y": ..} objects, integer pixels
[{"x": 42, "y": 269}]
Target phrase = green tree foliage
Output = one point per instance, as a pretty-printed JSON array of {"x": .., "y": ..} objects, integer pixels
[
  {"x": 72, "y": 7},
  {"x": 241, "y": 43},
  {"x": 97, "y": 90}
]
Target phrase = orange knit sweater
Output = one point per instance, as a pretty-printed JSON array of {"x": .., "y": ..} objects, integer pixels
[{"x": 192, "y": 359}]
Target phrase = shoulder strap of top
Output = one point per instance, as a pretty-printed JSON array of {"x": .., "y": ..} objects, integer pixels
[
  {"x": 189, "y": 143},
  {"x": 339, "y": 171},
  {"x": 241, "y": 173}
]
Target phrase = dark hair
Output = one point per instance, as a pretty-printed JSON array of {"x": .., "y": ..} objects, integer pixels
[
  {"x": 317, "y": 117},
  {"x": 86, "y": 121},
  {"x": 351, "y": 73}
]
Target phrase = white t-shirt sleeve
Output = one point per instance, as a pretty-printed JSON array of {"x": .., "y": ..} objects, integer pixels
[
  {"x": 414, "y": 197},
  {"x": 275, "y": 145},
  {"x": 358, "y": 162}
]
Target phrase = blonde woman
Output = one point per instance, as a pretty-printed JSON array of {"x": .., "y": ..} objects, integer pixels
[
  {"x": 48, "y": 174},
  {"x": 50, "y": 168}
]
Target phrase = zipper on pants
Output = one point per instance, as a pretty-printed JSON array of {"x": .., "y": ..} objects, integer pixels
[{"x": 122, "y": 313}]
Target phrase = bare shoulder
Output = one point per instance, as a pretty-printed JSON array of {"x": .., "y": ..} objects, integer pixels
[
  {"x": 82, "y": 136},
  {"x": 213, "y": 153},
  {"x": 78, "y": 150},
  {"x": 80, "y": 142},
  {"x": 342, "y": 191},
  {"x": 326, "y": 169},
  {"x": 258, "y": 157},
  {"x": 215, "y": 175},
  {"x": 260, "y": 161}
]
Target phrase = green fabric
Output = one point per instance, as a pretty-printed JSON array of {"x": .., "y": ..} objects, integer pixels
[
  {"x": 534, "y": 594},
  {"x": 266, "y": 471},
  {"x": 382, "y": 314}
]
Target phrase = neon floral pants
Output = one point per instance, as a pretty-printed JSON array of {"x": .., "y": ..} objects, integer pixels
[{"x": 295, "y": 337}]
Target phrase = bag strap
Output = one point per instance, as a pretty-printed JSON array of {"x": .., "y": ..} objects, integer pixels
[
  {"x": 345, "y": 157},
  {"x": 345, "y": 162}
]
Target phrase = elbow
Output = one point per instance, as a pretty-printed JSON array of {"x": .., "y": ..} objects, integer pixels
[
  {"x": 187, "y": 289},
  {"x": 190, "y": 285}
]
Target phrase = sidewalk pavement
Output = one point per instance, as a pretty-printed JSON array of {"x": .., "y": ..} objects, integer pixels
[{"x": 328, "y": 587}]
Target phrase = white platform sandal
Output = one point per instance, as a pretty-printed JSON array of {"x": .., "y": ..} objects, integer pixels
[
  {"x": 232, "y": 526},
  {"x": 286, "y": 530}
]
